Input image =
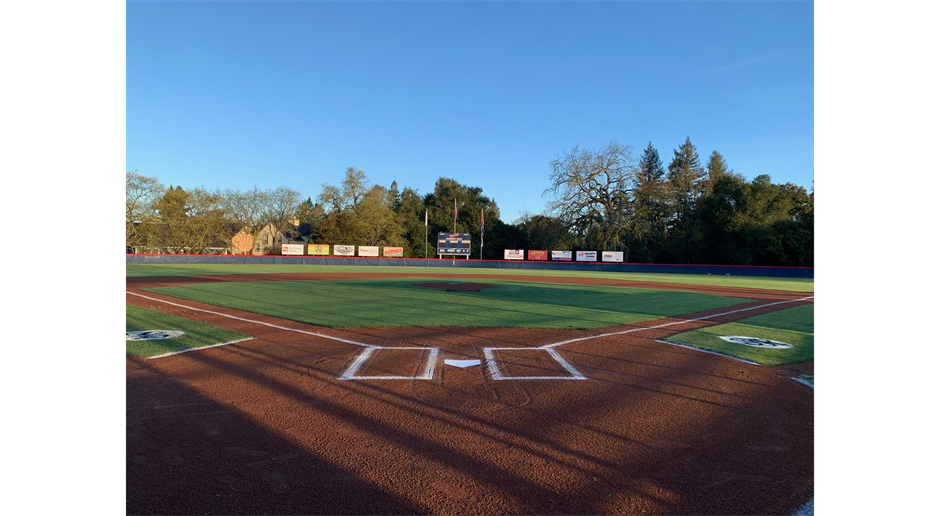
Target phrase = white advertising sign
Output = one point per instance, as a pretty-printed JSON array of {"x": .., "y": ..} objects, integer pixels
[
  {"x": 344, "y": 250},
  {"x": 587, "y": 256},
  {"x": 513, "y": 254},
  {"x": 612, "y": 256},
  {"x": 367, "y": 250},
  {"x": 292, "y": 249},
  {"x": 561, "y": 256}
]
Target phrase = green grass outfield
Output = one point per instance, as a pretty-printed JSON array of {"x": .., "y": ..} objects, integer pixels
[
  {"x": 761, "y": 282},
  {"x": 196, "y": 334},
  {"x": 395, "y": 302}
]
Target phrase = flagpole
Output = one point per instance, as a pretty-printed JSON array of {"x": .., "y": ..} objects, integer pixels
[
  {"x": 455, "y": 214},
  {"x": 425, "y": 234},
  {"x": 482, "y": 225}
]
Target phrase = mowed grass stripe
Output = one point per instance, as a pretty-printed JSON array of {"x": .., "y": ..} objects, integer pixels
[
  {"x": 761, "y": 282},
  {"x": 792, "y": 326},
  {"x": 396, "y": 302},
  {"x": 196, "y": 334}
]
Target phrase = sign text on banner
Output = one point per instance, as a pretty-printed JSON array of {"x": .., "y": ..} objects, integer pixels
[
  {"x": 612, "y": 256},
  {"x": 513, "y": 254},
  {"x": 393, "y": 251},
  {"x": 561, "y": 256},
  {"x": 587, "y": 256},
  {"x": 344, "y": 250},
  {"x": 368, "y": 250},
  {"x": 292, "y": 249},
  {"x": 453, "y": 243},
  {"x": 538, "y": 255}
]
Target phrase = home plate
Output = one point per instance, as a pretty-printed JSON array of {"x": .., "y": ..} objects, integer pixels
[{"x": 462, "y": 363}]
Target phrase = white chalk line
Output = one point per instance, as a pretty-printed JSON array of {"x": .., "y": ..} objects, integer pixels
[
  {"x": 430, "y": 366},
  {"x": 674, "y": 323},
  {"x": 350, "y": 373},
  {"x": 496, "y": 374},
  {"x": 285, "y": 328},
  {"x": 197, "y": 349}
]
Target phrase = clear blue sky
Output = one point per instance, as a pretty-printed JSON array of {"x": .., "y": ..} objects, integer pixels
[{"x": 244, "y": 94}]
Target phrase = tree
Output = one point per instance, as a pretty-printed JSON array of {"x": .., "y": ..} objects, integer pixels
[
  {"x": 650, "y": 207},
  {"x": 411, "y": 212},
  {"x": 589, "y": 193},
  {"x": 245, "y": 209},
  {"x": 141, "y": 193},
  {"x": 717, "y": 167},
  {"x": 469, "y": 201},
  {"x": 685, "y": 181},
  {"x": 278, "y": 208},
  {"x": 360, "y": 216},
  {"x": 191, "y": 221}
]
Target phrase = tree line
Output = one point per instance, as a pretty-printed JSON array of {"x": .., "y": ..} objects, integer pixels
[{"x": 603, "y": 200}]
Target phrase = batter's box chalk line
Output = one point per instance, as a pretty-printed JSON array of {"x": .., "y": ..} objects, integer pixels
[
  {"x": 497, "y": 374},
  {"x": 430, "y": 365},
  {"x": 427, "y": 374}
]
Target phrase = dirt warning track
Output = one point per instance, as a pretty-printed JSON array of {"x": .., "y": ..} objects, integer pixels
[{"x": 269, "y": 425}]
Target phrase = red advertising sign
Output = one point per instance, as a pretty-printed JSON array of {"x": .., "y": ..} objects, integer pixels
[{"x": 538, "y": 255}]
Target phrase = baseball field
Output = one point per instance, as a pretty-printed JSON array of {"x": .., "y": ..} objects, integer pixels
[{"x": 280, "y": 389}]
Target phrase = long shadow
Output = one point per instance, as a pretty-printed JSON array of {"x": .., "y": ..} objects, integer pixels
[
  {"x": 744, "y": 457},
  {"x": 189, "y": 454}
]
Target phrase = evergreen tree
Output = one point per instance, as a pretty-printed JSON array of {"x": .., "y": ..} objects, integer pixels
[
  {"x": 685, "y": 181},
  {"x": 648, "y": 224},
  {"x": 717, "y": 167}
]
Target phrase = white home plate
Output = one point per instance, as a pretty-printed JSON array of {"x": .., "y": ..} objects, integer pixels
[{"x": 462, "y": 363}]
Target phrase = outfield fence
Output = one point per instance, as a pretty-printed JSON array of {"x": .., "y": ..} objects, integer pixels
[{"x": 461, "y": 263}]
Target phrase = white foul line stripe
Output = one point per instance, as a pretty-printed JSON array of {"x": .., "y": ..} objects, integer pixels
[
  {"x": 257, "y": 322},
  {"x": 198, "y": 349},
  {"x": 350, "y": 373},
  {"x": 665, "y": 325}
]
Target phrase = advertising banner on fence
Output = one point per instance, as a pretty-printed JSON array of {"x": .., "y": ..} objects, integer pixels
[
  {"x": 292, "y": 249},
  {"x": 513, "y": 254},
  {"x": 453, "y": 243},
  {"x": 318, "y": 249},
  {"x": 587, "y": 256},
  {"x": 344, "y": 250},
  {"x": 561, "y": 256},
  {"x": 538, "y": 255},
  {"x": 393, "y": 251},
  {"x": 612, "y": 256},
  {"x": 368, "y": 250}
]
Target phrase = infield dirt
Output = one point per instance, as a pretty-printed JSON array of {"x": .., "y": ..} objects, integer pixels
[{"x": 266, "y": 426}]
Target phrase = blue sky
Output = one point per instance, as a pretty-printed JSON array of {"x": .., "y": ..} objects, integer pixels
[{"x": 244, "y": 94}]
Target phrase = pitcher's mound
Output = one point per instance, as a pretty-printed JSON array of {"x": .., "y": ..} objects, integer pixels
[{"x": 457, "y": 286}]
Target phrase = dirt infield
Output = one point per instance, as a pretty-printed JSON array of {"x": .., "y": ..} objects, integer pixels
[{"x": 268, "y": 425}]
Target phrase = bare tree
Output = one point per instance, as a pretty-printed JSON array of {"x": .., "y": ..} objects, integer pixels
[
  {"x": 141, "y": 193},
  {"x": 590, "y": 194},
  {"x": 279, "y": 208}
]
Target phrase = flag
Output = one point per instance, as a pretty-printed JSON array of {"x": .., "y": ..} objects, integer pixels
[
  {"x": 425, "y": 217},
  {"x": 482, "y": 220},
  {"x": 455, "y": 209}
]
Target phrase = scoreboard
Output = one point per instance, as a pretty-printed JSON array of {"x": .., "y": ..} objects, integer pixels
[{"x": 453, "y": 243}]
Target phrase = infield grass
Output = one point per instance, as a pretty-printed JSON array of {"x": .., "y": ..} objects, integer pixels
[
  {"x": 761, "y": 282},
  {"x": 196, "y": 334},
  {"x": 792, "y": 326},
  {"x": 396, "y": 302}
]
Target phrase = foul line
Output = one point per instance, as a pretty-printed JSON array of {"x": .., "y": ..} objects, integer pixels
[
  {"x": 430, "y": 366},
  {"x": 665, "y": 325},
  {"x": 198, "y": 349},
  {"x": 256, "y": 322},
  {"x": 351, "y": 371}
]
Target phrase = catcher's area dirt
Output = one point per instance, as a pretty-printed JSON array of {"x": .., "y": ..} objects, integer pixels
[{"x": 267, "y": 427}]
